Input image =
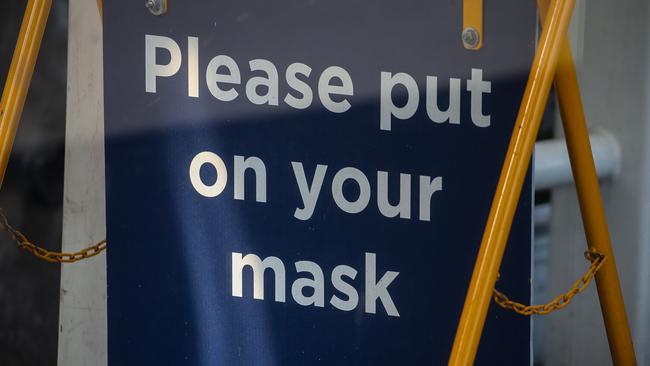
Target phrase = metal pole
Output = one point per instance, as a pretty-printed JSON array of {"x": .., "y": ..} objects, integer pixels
[
  {"x": 20, "y": 75},
  {"x": 510, "y": 183},
  {"x": 591, "y": 204}
]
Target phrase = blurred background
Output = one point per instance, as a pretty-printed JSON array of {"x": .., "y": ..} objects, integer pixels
[{"x": 32, "y": 194}]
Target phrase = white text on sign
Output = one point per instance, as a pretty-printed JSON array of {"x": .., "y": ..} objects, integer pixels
[
  {"x": 374, "y": 290},
  {"x": 311, "y": 188},
  {"x": 335, "y": 88}
]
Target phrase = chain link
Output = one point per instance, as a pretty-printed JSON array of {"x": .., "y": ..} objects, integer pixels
[
  {"x": 596, "y": 258},
  {"x": 53, "y": 257}
]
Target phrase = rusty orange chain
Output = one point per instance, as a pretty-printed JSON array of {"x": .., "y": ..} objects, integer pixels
[
  {"x": 596, "y": 258},
  {"x": 54, "y": 257}
]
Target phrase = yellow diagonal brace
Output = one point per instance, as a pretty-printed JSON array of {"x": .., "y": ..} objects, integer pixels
[
  {"x": 510, "y": 184},
  {"x": 20, "y": 75},
  {"x": 472, "y": 35},
  {"x": 591, "y": 204}
]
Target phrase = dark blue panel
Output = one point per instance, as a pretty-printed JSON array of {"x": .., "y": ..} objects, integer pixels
[{"x": 169, "y": 264}]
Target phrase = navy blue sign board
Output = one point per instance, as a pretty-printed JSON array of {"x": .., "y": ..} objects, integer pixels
[{"x": 307, "y": 182}]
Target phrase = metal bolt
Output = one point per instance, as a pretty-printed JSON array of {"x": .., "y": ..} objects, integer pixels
[
  {"x": 156, "y": 7},
  {"x": 471, "y": 38}
]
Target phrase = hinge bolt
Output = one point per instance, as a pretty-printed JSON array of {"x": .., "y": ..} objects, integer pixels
[
  {"x": 471, "y": 38},
  {"x": 156, "y": 7}
]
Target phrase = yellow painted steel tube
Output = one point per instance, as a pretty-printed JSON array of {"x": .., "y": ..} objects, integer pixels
[
  {"x": 473, "y": 18},
  {"x": 510, "y": 183},
  {"x": 593, "y": 214},
  {"x": 20, "y": 75},
  {"x": 591, "y": 205}
]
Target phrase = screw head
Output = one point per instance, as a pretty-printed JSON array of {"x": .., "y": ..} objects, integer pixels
[
  {"x": 156, "y": 7},
  {"x": 471, "y": 38}
]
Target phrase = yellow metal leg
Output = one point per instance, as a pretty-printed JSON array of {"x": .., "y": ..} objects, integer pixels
[
  {"x": 510, "y": 183},
  {"x": 20, "y": 75},
  {"x": 593, "y": 214},
  {"x": 591, "y": 204}
]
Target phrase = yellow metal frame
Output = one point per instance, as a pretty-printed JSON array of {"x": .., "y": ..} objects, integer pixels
[
  {"x": 20, "y": 75},
  {"x": 552, "y": 60},
  {"x": 591, "y": 205},
  {"x": 473, "y": 19}
]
